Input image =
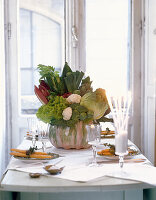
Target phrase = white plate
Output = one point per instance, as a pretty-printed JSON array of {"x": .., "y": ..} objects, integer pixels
[
  {"x": 36, "y": 160},
  {"x": 117, "y": 157}
]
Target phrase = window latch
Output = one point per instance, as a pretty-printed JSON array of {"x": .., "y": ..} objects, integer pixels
[
  {"x": 9, "y": 30},
  {"x": 142, "y": 26},
  {"x": 74, "y": 37}
]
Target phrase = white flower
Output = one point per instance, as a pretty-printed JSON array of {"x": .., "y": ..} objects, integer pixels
[
  {"x": 67, "y": 113},
  {"x": 74, "y": 98}
]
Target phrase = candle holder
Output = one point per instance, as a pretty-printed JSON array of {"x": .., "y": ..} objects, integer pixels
[
  {"x": 120, "y": 106},
  {"x": 121, "y": 145}
]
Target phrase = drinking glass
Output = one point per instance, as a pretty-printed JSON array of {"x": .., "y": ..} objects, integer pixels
[
  {"x": 93, "y": 138},
  {"x": 33, "y": 128},
  {"x": 120, "y": 106},
  {"x": 43, "y": 134}
]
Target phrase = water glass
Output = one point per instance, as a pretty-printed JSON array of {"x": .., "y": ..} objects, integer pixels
[
  {"x": 43, "y": 134},
  {"x": 33, "y": 128},
  {"x": 93, "y": 138}
]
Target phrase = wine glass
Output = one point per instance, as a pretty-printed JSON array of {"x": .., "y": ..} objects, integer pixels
[
  {"x": 93, "y": 138},
  {"x": 120, "y": 106},
  {"x": 43, "y": 134},
  {"x": 33, "y": 128}
]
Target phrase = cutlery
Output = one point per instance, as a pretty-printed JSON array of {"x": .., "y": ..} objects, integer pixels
[{"x": 138, "y": 160}]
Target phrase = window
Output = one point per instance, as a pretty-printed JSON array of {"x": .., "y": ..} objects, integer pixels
[
  {"x": 41, "y": 42},
  {"x": 108, "y": 26}
]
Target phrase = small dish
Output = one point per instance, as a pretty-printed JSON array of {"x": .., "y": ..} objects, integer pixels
[
  {"x": 53, "y": 169},
  {"x": 34, "y": 175}
]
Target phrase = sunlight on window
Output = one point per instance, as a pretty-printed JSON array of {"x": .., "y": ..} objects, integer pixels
[
  {"x": 107, "y": 41},
  {"x": 41, "y": 42}
]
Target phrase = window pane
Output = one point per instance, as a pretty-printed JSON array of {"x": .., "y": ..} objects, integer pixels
[
  {"x": 46, "y": 41},
  {"x": 25, "y": 39},
  {"x": 41, "y": 42},
  {"x": 26, "y": 82},
  {"x": 107, "y": 41}
]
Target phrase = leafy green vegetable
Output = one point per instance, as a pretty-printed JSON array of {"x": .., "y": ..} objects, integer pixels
[
  {"x": 86, "y": 86},
  {"x": 52, "y": 110},
  {"x": 79, "y": 113},
  {"x": 31, "y": 150},
  {"x": 66, "y": 69},
  {"x": 83, "y": 116},
  {"x": 51, "y": 77},
  {"x": 72, "y": 80},
  {"x": 104, "y": 119},
  {"x": 93, "y": 105},
  {"x": 45, "y": 70},
  {"x": 96, "y": 102}
]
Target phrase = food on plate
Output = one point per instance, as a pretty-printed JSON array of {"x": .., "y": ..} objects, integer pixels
[
  {"x": 25, "y": 152},
  {"x": 107, "y": 132},
  {"x": 30, "y": 153},
  {"x": 31, "y": 156},
  {"x": 105, "y": 152},
  {"x": 110, "y": 150}
]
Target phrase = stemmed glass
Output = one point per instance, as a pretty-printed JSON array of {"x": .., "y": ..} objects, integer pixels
[
  {"x": 43, "y": 134},
  {"x": 120, "y": 106},
  {"x": 33, "y": 128},
  {"x": 93, "y": 138}
]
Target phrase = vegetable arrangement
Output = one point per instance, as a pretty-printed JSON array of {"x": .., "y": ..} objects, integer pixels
[{"x": 69, "y": 98}]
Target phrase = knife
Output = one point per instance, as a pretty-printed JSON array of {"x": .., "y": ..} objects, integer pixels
[{"x": 137, "y": 160}]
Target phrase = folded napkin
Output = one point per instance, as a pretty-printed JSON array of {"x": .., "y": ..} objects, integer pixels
[
  {"x": 138, "y": 172},
  {"x": 85, "y": 173},
  {"x": 142, "y": 172}
]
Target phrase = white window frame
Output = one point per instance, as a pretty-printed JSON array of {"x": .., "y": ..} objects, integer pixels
[
  {"x": 143, "y": 87},
  {"x": 75, "y": 34},
  {"x": 137, "y": 66},
  {"x": 149, "y": 81}
]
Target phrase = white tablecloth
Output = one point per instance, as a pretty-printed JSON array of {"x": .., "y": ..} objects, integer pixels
[{"x": 75, "y": 163}]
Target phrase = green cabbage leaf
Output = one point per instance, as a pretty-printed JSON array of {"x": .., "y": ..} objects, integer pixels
[
  {"x": 52, "y": 110},
  {"x": 96, "y": 102}
]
